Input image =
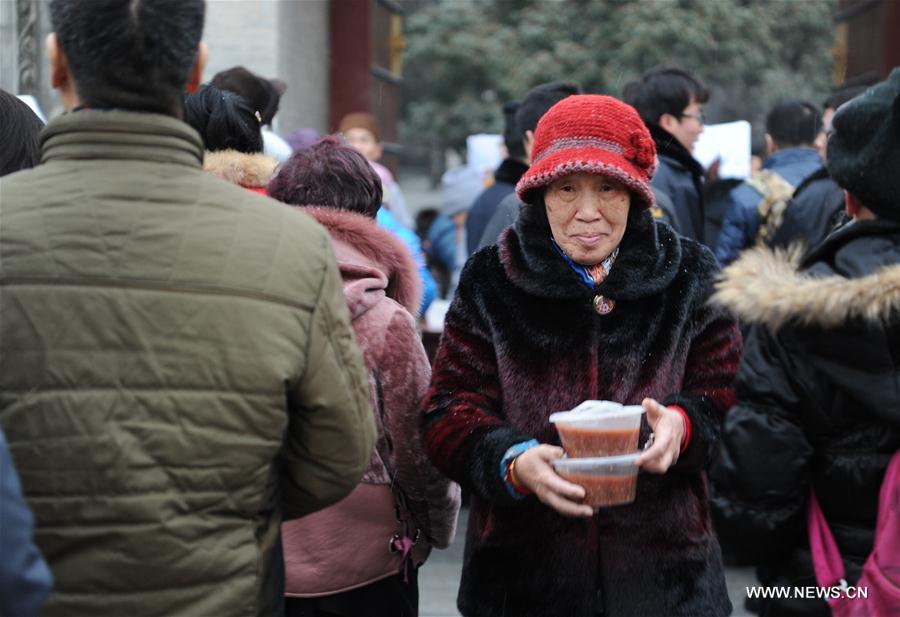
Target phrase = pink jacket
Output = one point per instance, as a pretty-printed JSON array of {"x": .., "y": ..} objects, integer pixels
[{"x": 345, "y": 546}]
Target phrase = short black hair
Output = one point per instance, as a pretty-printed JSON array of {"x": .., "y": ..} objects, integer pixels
[
  {"x": 225, "y": 120},
  {"x": 130, "y": 54},
  {"x": 841, "y": 95},
  {"x": 664, "y": 89},
  {"x": 20, "y": 129},
  {"x": 794, "y": 123},
  {"x": 263, "y": 94},
  {"x": 539, "y": 100},
  {"x": 512, "y": 136}
]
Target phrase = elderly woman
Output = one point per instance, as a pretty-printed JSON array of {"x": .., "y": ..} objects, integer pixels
[
  {"x": 585, "y": 297},
  {"x": 359, "y": 557}
]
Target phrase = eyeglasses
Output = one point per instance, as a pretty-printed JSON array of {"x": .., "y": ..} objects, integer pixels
[{"x": 700, "y": 117}]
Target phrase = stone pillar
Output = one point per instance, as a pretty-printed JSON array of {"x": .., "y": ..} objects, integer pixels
[
  {"x": 303, "y": 62},
  {"x": 9, "y": 47},
  {"x": 29, "y": 57},
  {"x": 287, "y": 39},
  {"x": 24, "y": 25}
]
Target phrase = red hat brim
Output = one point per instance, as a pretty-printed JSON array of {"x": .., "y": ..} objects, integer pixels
[{"x": 589, "y": 160}]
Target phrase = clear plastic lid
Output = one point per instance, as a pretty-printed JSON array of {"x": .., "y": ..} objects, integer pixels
[
  {"x": 622, "y": 464},
  {"x": 590, "y": 411}
]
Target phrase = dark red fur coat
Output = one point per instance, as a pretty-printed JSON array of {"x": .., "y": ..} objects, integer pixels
[{"x": 521, "y": 341}]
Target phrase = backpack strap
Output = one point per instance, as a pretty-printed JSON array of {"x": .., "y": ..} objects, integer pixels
[
  {"x": 776, "y": 193},
  {"x": 826, "y": 557},
  {"x": 889, "y": 507},
  {"x": 408, "y": 531},
  {"x": 408, "y": 535}
]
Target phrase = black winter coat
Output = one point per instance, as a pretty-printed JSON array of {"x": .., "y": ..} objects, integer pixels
[
  {"x": 816, "y": 209},
  {"x": 680, "y": 178},
  {"x": 819, "y": 404},
  {"x": 505, "y": 179}
]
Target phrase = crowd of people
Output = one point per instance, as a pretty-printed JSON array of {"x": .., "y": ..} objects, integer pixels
[{"x": 215, "y": 398}]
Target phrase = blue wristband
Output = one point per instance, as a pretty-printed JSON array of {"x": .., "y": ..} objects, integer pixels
[{"x": 512, "y": 453}]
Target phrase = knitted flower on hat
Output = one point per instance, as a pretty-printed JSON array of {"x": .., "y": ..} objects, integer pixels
[{"x": 595, "y": 134}]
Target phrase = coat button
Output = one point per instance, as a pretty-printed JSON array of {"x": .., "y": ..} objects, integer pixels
[{"x": 603, "y": 306}]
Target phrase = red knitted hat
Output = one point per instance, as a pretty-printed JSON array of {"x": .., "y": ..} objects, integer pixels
[{"x": 595, "y": 134}]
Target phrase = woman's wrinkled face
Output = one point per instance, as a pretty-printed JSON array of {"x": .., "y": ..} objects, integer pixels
[{"x": 587, "y": 213}]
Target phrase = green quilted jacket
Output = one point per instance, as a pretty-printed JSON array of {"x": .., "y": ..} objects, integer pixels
[{"x": 177, "y": 371}]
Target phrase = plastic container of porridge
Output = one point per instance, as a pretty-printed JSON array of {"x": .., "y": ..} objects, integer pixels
[
  {"x": 599, "y": 428},
  {"x": 607, "y": 481}
]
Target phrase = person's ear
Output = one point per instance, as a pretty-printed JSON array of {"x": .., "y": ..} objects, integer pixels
[
  {"x": 821, "y": 144},
  {"x": 669, "y": 122},
  {"x": 377, "y": 151},
  {"x": 528, "y": 143},
  {"x": 60, "y": 76},
  {"x": 771, "y": 148},
  {"x": 197, "y": 71},
  {"x": 59, "y": 64}
]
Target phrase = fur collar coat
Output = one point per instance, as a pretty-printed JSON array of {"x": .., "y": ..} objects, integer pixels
[
  {"x": 345, "y": 546},
  {"x": 818, "y": 400},
  {"x": 251, "y": 171},
  {"x": 522, "y": 340}
]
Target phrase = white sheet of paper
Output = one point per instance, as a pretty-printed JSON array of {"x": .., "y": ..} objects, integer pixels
[
  {"x": 730, "y": 142},
  {"x": 483, "y": 152},
  {"x": 436, "y": 314}
]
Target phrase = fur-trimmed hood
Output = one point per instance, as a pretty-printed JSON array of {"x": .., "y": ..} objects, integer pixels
[
  {"x": 371, "y": 259},
  {"x": 819, "y": 400},
  {"x": 774, "y": 288},
  {"x": 248, "y": 170}
]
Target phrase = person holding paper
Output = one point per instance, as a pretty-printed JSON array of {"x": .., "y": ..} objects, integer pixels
[{"x": 670, "y": 101}]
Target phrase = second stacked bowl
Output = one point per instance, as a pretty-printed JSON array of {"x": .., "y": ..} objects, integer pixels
[{"x": 600, "y": 439}]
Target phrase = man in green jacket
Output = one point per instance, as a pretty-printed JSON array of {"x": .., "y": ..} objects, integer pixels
[{"x": 177, "y": 368}]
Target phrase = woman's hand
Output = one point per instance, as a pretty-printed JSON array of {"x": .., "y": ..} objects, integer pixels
[
  {"x": 534, "y": 472},
  {"x": 668, "y": 431}
]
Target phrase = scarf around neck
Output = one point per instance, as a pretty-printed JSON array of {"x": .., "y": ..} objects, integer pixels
[{"x": 591, "y": 276}]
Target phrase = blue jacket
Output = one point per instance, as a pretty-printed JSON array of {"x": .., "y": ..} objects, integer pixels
[
  {"x": 442, "y": 242},
  {"x": 429, "y": 288},
  {"x": 815, "y": 210},
  {"x": 25, "y": 580},
  {"x": 741, "y": 223}
]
